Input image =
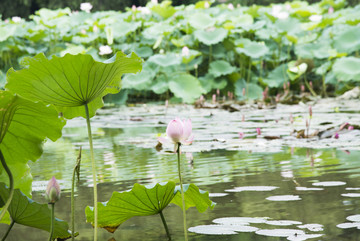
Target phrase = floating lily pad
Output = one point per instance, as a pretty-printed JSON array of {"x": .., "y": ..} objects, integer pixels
[
  {"x": 329, "y": 184},
  {"x": 282, "y": 198},
  {"x": 350, "y": 194},
  {"x": 240, "y": 220},
  {"x": 218, "y": 194},
  {"x": 314, "y": 227},
  {"x": 282, "y": 222},
  {"x": 354, "y": 218},
  {"x": 252, "y": 188},
  {"x": 215, "y": 229},
  {"x": 348, "y": 225},
  {"x": 302, "y": 237},
  {"x": 309, "y": 189},
  {"x": 280, "y": 232}
]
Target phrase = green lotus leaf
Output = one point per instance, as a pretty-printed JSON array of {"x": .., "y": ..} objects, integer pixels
[
  {"x": 165, "y": 60},
  {"x": 122, "y": 28},
  {"x": 140, "y": 81},
  {"x": 186, "y": 87},
  {"x": 253, "y": 91},
  {"x": 347, "y": 69},
  {"x": 2, "y": 80},
  {"x": 192, "y": 55},
  {"x": 24, "y": 127},
  {"x": 314, "y": 50},
  {"x": 157, "y": 29},
  {"x": 221, "y": 67},
  {"x": 242, "y": 20},
  {"x": 160, "y": 85},
  {"x": 288, "y": 26},
  {"x": 253, "y": 49},
  {"x": 209, "y": 82},
  {"x": 164, "y": 9},
  {"x": 324, "y": 68},
  {"x": 348, "y": 41},
  {"x": 27, "y": 212},
  {"x": 277, "y": 77},
  {"x": 144, "y": 51},
  {"x": 201, "y": 20},
  {"x": 194, "y": 197},
  {"x": 71, "y": 81},
  {"x": 139, "y": 201},
  {"x": 212, "y": 36},
  {"x": 6, "y": 31}
]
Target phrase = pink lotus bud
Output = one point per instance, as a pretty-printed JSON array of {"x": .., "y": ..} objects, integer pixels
[
  {"x": 83, "y": 31},
  {"x": 214, "y": 98},
  {"x": 53, "y": 191},
  {"x": 336, "y": 136},
  {"x": 311, "y": 84},
  {"x": 95, "y": 29},
  {"x": 277, "y": 98},
  {"x": 307, "y": 123},
  {"x": 241, "y": 135},
  {"x": 350, "y": 128},
  {"x": 331, "y": 10},
  {"x": 302, "y": 87},
  {"x": 310, "y": 111},
  {"x": 230, "y": 6},
  {"x": 231, "y": 95},
  {"x": 243, "y": 91},
  {"x": 189, "y": 156},
  {"x": 243, "y": 118},
  {"x": 185, "y": 51},
  {"x": 258, "y": 131},
  {"x": 217, "y": 92},
  {"x": 178, "y": 131},
  {"x": 206, "y": 5},
  {"x": 154, "y": 1},
  {"x": 133, "y": 8}
]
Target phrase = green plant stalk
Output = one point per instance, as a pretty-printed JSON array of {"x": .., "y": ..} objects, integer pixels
[
  {"x": 165, "y": 225},
  {"x": 182, "y": 193},
  {"x": 93, "y": 171},
  {"x": 324, "y": 86},
  {"x": 73, "y": 205},
  {"x": 308, "y": 86},
  {"x": 248, "y": 79},
  {"x": 52, "y": 221},
  {"x": 8, "y": 230},
  {"x": 11, "y": 181}
]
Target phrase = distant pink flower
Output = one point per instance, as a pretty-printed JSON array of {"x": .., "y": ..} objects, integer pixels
[
  {"x": 185, "y": 51},
  {"x": 217, "y": 92},
  {"x": 350, "y": 128},
  {"x": 331, "y": 10},
  {"x": 133, "y": 8},
  {"x": 230, "y": 6},
  {"x": 310, "y": 111},
  {"x": 258, "y": 131},
  {"x": 178, "y": 132},
  {"x": 154, "y": 1},
  {"x": 302, "y": 87},
  {"x": 189, "y": 156},
  {"x": 214, "y": 98},
  {"x": 202, "y": 98},
  {"x": 243, "y": 118},
  {"x": 311, "y": 84},
  {"x": 336, "y": 136},
  {"x": 206, "y": 5},
  {"x": 241, "y": 135},
  {"x": 53, "y": 191}
]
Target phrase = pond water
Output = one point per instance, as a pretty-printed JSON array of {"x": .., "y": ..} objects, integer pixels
[{"x": 281, "y": 189}]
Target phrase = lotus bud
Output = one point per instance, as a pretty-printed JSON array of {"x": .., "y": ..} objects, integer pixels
[
  {"x": 133, "y": 8},
  {"x": 284, "y": 86},
  {"x": 201, "y": 98},
  {"x": 350, "y": 128},
  {"x": 86, "y": 7},
  {"x": 277, "y": 98},
  {"x": 241, "y": 135},
  {"x": 206, "y": 5},
  {"x": 336, "y": 136},
  {"x": 258, "y": 131},
  {"x": 154, "y": 1},
  {"x": 214, "y": 98},
  {"x": 166, "y": 103},
  {"x": 16, "y": 19},
  {"x": 291, "y": 119},
  {"x": 243, "y": 118},
  {"x": 310, "y": 111},
  {"x": 195, "y": 66},
  {"x": 53, "y": 191},
  {"x": 302, "y": 87},
  {"x": 217, "y": 92},
  {"x": 230, "y": 6},
  {"x": 95, "y": 29},
  {"x": 185, "y": 51},
  {"x": 331, "y": 10},
  {"x": 105, "y": 49},
  {"x": 311, "y": 84}
]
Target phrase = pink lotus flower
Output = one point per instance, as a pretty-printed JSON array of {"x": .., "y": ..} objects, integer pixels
[
  {"x": 241, "y": 135},
  {"x": 53, "y": 191},
  {"x": 350, "y": 128},
  {"x": 258, "y": 131},
  {"x": 178, "y": 132},
  {"x": 336, "y": 136},
  {"x": 185, "y": 52}
]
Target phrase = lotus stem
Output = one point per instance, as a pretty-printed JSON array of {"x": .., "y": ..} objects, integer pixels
[
  {"x": 8, "y": 230},
  {"x": 93, "y": 170},
  {"x": 72, "y": 195},
  {"x": 324, "y": 86},
  {"x": 165, "y": 225},
  {"x": 52, "y": 221},
  {"x": 182, "y": 193},
  {"x": 248, "y": 79},
  {"x": 11, "y": 181},
  {"x": 308, "y": 86}
]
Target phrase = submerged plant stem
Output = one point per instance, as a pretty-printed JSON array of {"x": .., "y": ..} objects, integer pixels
[
  {"x": 182, "y": 193},
  {"x": 165, "y": 225},
  {"x": 8, "y": 230},
  {"x": 52, "y": 221},
  {"x": 76, "y": 170},
  {"x": 11, "y": 181},
  {"x": 93, "y": 167}
]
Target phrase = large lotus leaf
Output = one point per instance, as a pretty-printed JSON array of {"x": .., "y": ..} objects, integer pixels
[
  {"x": 201, "y": 20},
  {"x": 160, "y": 85},
  {"x": 2, "y": 80},
  {"x": 121, "y": 29},
  {"x": 71, "y": 81},
  {"x": 186, "y": 87},
  {"x": 242, "y": 20},
  {"x": 252, "y": 90},
  {"x": 347, "y": 68},
  {"x": 314, "y": 50},
  {"x": 221, "y": 67},
  {"x": 209, "y": 82},
  {"x": 6, "y": 31},
  {"x": 348, "y": 41},
  {"x": 194, "y": 197},
  {"x": 289, "y": 25},
  {"x": 164, "y": 9},
  {"x": 253, "y": 49},
  {"x": 211, "y": 36},
  {"x": 27, "y": 212},
  {"x": 324, "y": 68},
  {"x": 190, "y": 57},
  {"x": 139, "y": 201},
  {"x": 144, "y": 51},
  {"x": 157, "y": 29},
  {"x": 165, "y": 60},
  {"x": 24, "y": 127},
  {"x": 277, "y": 77},
  {"x": 140, "y": 81}
]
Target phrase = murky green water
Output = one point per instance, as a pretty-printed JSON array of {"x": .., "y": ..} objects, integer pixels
[{"x": 223, "y": 164}]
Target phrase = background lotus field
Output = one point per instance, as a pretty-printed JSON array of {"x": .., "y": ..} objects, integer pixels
[{"x": 194, "y": 50}]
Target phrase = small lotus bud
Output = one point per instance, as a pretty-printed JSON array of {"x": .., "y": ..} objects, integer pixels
[
  {"x": 302, "y": 87},
  {"x": 310, "y": 111},
  {"x": 336, "y": 136},
  {"x": 217, "y": 92},
  {"x": 53, "y": 191},
  {"x": 214, "y": 98},
  {"x": 241, "y": 135},
  {"x": 258, "y": 131},
  {"x": 350, "y": 128}
]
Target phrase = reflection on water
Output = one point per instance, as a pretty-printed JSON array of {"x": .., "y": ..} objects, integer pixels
[{"x": 258, "y": 177}]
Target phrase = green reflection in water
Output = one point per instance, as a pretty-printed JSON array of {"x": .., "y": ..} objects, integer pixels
[{"x": 120, "y": 166}]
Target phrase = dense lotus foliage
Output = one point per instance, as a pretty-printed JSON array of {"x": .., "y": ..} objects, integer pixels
[{"x": 193, "y": 50}]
